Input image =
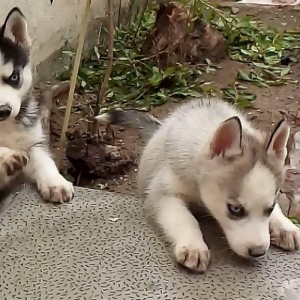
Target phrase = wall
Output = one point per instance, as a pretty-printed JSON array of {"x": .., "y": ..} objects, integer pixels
[{"x": 53, "y": 26}]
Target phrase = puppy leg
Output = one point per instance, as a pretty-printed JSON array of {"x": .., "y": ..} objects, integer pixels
[
  {"x": 284, "y": 233},
  {"x": 51, "y": 184},
  {"x": 12, "y": 163},
  {"x": 183, "y": 230}
]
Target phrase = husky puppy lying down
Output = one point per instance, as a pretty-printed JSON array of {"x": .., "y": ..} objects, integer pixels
[
  {"x": 207, "y": 153},
  {"x": 23, "y": 150}
]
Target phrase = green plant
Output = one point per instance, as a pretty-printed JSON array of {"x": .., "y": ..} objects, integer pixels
[
  {"x": 250, "y": 42},
  {"x": 136, "y": 80},
  {"x": 238, "y": 94}
]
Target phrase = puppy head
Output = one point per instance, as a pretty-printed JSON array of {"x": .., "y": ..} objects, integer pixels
[
  {"x": 15, "y": 69},
  {"x": 241, "y": 186}
]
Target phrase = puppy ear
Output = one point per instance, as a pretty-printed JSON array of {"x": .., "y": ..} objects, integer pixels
[
  {"x": 277, "y": 144},
  {"x": 15, "y": 28},
  {"x": 227, "y": 139}
]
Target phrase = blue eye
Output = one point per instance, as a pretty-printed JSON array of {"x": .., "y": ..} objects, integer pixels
[
  {"x": 14, "y": 78},
  {"x": 236, "y": 210}
]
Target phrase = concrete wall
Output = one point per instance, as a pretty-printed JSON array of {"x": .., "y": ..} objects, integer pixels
[{"x": 53, "y": 26}]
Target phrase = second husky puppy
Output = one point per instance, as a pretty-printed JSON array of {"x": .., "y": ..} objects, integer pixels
[
  {"x": 207, "y": 153},
  {"x": 23, "y": 150}
]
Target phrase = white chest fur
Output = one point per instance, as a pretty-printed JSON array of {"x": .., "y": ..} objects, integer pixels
[{"x": 19, "y": 137}]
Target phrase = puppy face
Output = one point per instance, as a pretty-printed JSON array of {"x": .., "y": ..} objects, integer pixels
[
  {"x": 240, "y": 192},
  {"x": 15, "y": 69}
]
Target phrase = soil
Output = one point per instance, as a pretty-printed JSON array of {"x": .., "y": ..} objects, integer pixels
[{"x": 270, "y": 104}]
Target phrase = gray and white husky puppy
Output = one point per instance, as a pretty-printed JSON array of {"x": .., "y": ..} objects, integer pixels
[
  {"x": 207, "y": 153},
  {"x": 23, "y": 150}
]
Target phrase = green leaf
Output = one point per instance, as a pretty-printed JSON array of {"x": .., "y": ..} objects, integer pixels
[
  {"x": 169, "y": 72},
  {"x": 156, "y": 79},
  {"x": 247, "y": 52},
  {"x": 244, "y": 76},
  {"x": 68, "y": 53},
  {"x": 285, "y": 71},
  {"x": 206, "y": 87}
]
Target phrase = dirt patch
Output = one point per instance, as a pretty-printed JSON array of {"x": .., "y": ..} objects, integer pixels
[
  {"x": 118, "y": 149},
  {"x": 99, "y": 157}
]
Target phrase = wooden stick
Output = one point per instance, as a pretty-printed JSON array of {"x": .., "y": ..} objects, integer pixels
[
  {"x": 110, "y": 57},
  {"x": 73, "y": 82}
]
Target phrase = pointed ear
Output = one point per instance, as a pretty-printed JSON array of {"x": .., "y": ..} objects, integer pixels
[
  {"x": 227, "y": 139},
  {"x": 277, "y": 144},
  {"x": 15, "y": 28}
]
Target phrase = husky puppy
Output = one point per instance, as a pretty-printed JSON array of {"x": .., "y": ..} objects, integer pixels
[
  {"x": 207, "y": 153},
  {"x": 22, "y": 146}
]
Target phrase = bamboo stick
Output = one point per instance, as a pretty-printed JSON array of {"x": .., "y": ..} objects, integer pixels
[{"x": 78, "y": 56}]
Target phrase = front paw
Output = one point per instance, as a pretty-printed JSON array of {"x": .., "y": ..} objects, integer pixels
[
  {"x": 286, "y": 236},
  {"x": 56, "y": 190},
  {"x": 13, "y": 162},
  {"x": 194, "y": 256}
]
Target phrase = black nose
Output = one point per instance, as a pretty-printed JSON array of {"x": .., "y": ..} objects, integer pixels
[
  {"x": 5, "y": 111},
  {"x": 257, "y": 251}
]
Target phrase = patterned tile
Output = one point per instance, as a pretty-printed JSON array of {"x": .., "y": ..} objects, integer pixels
[{"x": 100, "y": 246}]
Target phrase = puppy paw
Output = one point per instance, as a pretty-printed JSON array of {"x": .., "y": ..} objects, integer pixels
[
  {"x": 56, "y": 189},
  {"x": 194, "y": 256},
  {"x": 286, "y": 236},
  {"x": 13, "y": 162}
]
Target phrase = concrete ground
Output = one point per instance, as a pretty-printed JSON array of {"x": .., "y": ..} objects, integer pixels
[{"x": 100, "y": 246}]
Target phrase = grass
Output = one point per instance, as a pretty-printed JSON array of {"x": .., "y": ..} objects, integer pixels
[{"x": 136, "y": 81}]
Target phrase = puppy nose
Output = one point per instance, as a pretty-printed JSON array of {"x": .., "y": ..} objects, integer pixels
[
  {"x": 5, "y": 111},
  {"x": 257, "y": 251}
]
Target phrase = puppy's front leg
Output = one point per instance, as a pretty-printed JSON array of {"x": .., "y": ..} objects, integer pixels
[
  {"x": 51, "y": 184},
  {"x": 12, "y": 163},
  {"x": 284, "y": 233},
  {"x": 181, "y": 227}
]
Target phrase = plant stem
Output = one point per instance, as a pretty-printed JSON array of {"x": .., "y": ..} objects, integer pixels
[
  {"x": 141, "y": 18},
  {"x": 110, "y": 56},
  {"x": 73, "y": 82}
]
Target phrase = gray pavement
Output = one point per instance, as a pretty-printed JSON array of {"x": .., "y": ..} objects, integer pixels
[{"x": 100, "y": 246}]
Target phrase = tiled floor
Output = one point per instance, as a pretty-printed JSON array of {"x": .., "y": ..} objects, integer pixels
[{"x": 101, "y": 247}]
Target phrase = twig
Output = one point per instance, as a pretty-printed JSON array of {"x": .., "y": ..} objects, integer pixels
[
  {"x": 78, "y": 179},
  {"x": 73, "y": 82},
  {"x": 119, "y": 13},
  {"x": 141, "y": 17},
  {"x": 110, "y": 56},
  {"x": 129, "y": 12},
  {"x": 191, "y": 16}
]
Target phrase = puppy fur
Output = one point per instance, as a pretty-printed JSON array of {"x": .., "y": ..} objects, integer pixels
[
  {"x": 23, "y": 150},
  {"x": 207, "y": 153}
]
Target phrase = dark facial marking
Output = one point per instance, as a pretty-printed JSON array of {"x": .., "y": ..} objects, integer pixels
[
  {"x": 13, "y": 52},
  {"x": 10, "y": 49},
  {"x": 14, "y": 79},
  {"x": 269, "y": 210}
]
